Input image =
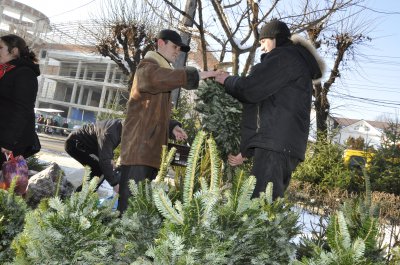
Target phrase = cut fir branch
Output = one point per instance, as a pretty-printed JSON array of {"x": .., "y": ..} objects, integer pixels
[{"x": 12, "y": 214}]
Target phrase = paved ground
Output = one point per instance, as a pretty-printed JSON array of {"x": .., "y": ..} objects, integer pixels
[{"x": 52, "y": 142}]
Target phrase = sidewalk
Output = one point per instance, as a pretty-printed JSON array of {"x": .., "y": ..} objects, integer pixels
[{"x": 52, "y": 136}]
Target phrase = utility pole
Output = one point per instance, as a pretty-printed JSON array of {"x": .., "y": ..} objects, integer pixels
[{"x": 190, "y": 9}]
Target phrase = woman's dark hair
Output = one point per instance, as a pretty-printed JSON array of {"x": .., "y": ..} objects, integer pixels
[{"x": 13, "y": 41}]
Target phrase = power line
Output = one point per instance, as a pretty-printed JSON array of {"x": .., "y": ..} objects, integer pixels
[
  {"x": 378, "y": 11},
  {"x": 384, "y": 56},
  {"x": 363, "y": 108},
  {"x": 377, "y": 89},
  {"x": 65, "y": 12},
  {"x": 375, "y": 102}
]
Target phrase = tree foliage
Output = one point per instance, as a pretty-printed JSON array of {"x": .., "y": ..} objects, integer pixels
[
  {"x": 12, "y": 214},
  {"x": 324, "y": 166},
  {"x": 126, "y": 31},
  {"x": 355, "y": 144},
  {"x": 351, "y": 236},
  {"x": 220, "y": 115},
  {"x": 385, "y": 165},
  {"x": 139, "y": 225},
  {"x": 187, "y": 115},
  {"x": 208, "y": 224},
  {"x": 76, "y": 231},
  {"x": 231, "y": 30}
]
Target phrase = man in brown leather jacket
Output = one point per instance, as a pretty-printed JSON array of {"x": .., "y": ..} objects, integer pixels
[{"x": 148, "y": 110}]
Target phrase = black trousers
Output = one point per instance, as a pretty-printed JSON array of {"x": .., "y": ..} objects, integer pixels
[
  {"x": 137, "y": 173},
  {"x": 275, "y": 167},
  {"x": 80, "y": 152}
]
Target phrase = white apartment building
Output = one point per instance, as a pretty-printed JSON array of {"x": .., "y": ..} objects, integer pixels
[
  {"x": 80, "y": 82},
  {"x": 74, "y": 78},
  {"x": 23, "y": 20}
]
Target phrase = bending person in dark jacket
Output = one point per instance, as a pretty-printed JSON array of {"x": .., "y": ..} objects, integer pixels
[
  {"x": 276, "y": 96},
  {"x": 93, "y": 145}
]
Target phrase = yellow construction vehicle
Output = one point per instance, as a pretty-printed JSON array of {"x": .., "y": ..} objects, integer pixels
[{"x": 357, "y": 158}]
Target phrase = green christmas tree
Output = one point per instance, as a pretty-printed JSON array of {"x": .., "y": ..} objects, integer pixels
[
  {"x": 12, "y": 213},
  {"x": 221, "y": 116}
]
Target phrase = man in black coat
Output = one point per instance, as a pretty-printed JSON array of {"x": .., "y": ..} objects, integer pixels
[
  {"x": 93, "y": 145},
  {"x": 276, "y": 96}
]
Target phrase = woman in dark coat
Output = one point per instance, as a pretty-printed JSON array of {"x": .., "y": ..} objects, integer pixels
[{"x": 18, "y": 89}]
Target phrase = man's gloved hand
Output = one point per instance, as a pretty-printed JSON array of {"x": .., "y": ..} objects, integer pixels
[{"x": 116, "y": 177}]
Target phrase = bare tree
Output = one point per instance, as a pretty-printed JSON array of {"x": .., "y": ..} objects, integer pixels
[
  {"x": 341, "y": 39},
  {"x": 126, "y": 31},
  {"x": 231, "y": 29}
]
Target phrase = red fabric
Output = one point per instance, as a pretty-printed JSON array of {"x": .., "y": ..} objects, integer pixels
[{"x": 5, "y": 68}]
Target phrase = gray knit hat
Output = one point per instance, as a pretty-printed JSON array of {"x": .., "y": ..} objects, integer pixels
[{"x": 275, "y": 29}]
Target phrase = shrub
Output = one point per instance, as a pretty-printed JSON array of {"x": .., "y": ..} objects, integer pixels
[
  {"x": 75, "y": 232},
  {"x": 197, "y": 219},
  {"x": 34, "y": 164},
  {"x": 210, "y": 224},
  {"x": 221, "y": 115},
  {"x": 351, "y": 236},
  {"x": 385, "y": 168},
  {"x": 139, "y": 225},
  {"x": 324, "y": 166},
  {"x": 12, "y": 213}
]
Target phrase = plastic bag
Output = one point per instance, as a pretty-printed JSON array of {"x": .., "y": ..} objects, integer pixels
[
  {"x": 16, "y": 167},
  {"x": 103, "y": 201}
]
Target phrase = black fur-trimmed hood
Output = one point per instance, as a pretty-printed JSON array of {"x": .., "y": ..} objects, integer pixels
[{"x": 311, "y": 56}]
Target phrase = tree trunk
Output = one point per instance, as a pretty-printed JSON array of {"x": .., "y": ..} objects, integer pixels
[
  {"x": 321, "y": 108},
  {"x": 190, "y": 9}
]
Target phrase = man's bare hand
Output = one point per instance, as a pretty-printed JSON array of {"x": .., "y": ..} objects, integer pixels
[
  {"x": 221, "y": 76},
  {"x": 236, "y": 160},
  {"x": 207, "y": 74},
  {"x": 179, "y": 133}
]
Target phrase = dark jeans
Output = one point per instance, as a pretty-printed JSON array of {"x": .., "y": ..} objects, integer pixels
[
  {"x": 80, "y": 152},
  {"x": 137, "y": 173},
  {"x": 275, "y": 167}
]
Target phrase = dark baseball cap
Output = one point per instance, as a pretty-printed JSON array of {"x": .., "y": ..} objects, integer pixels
[{"x": 171, "y": 35}]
